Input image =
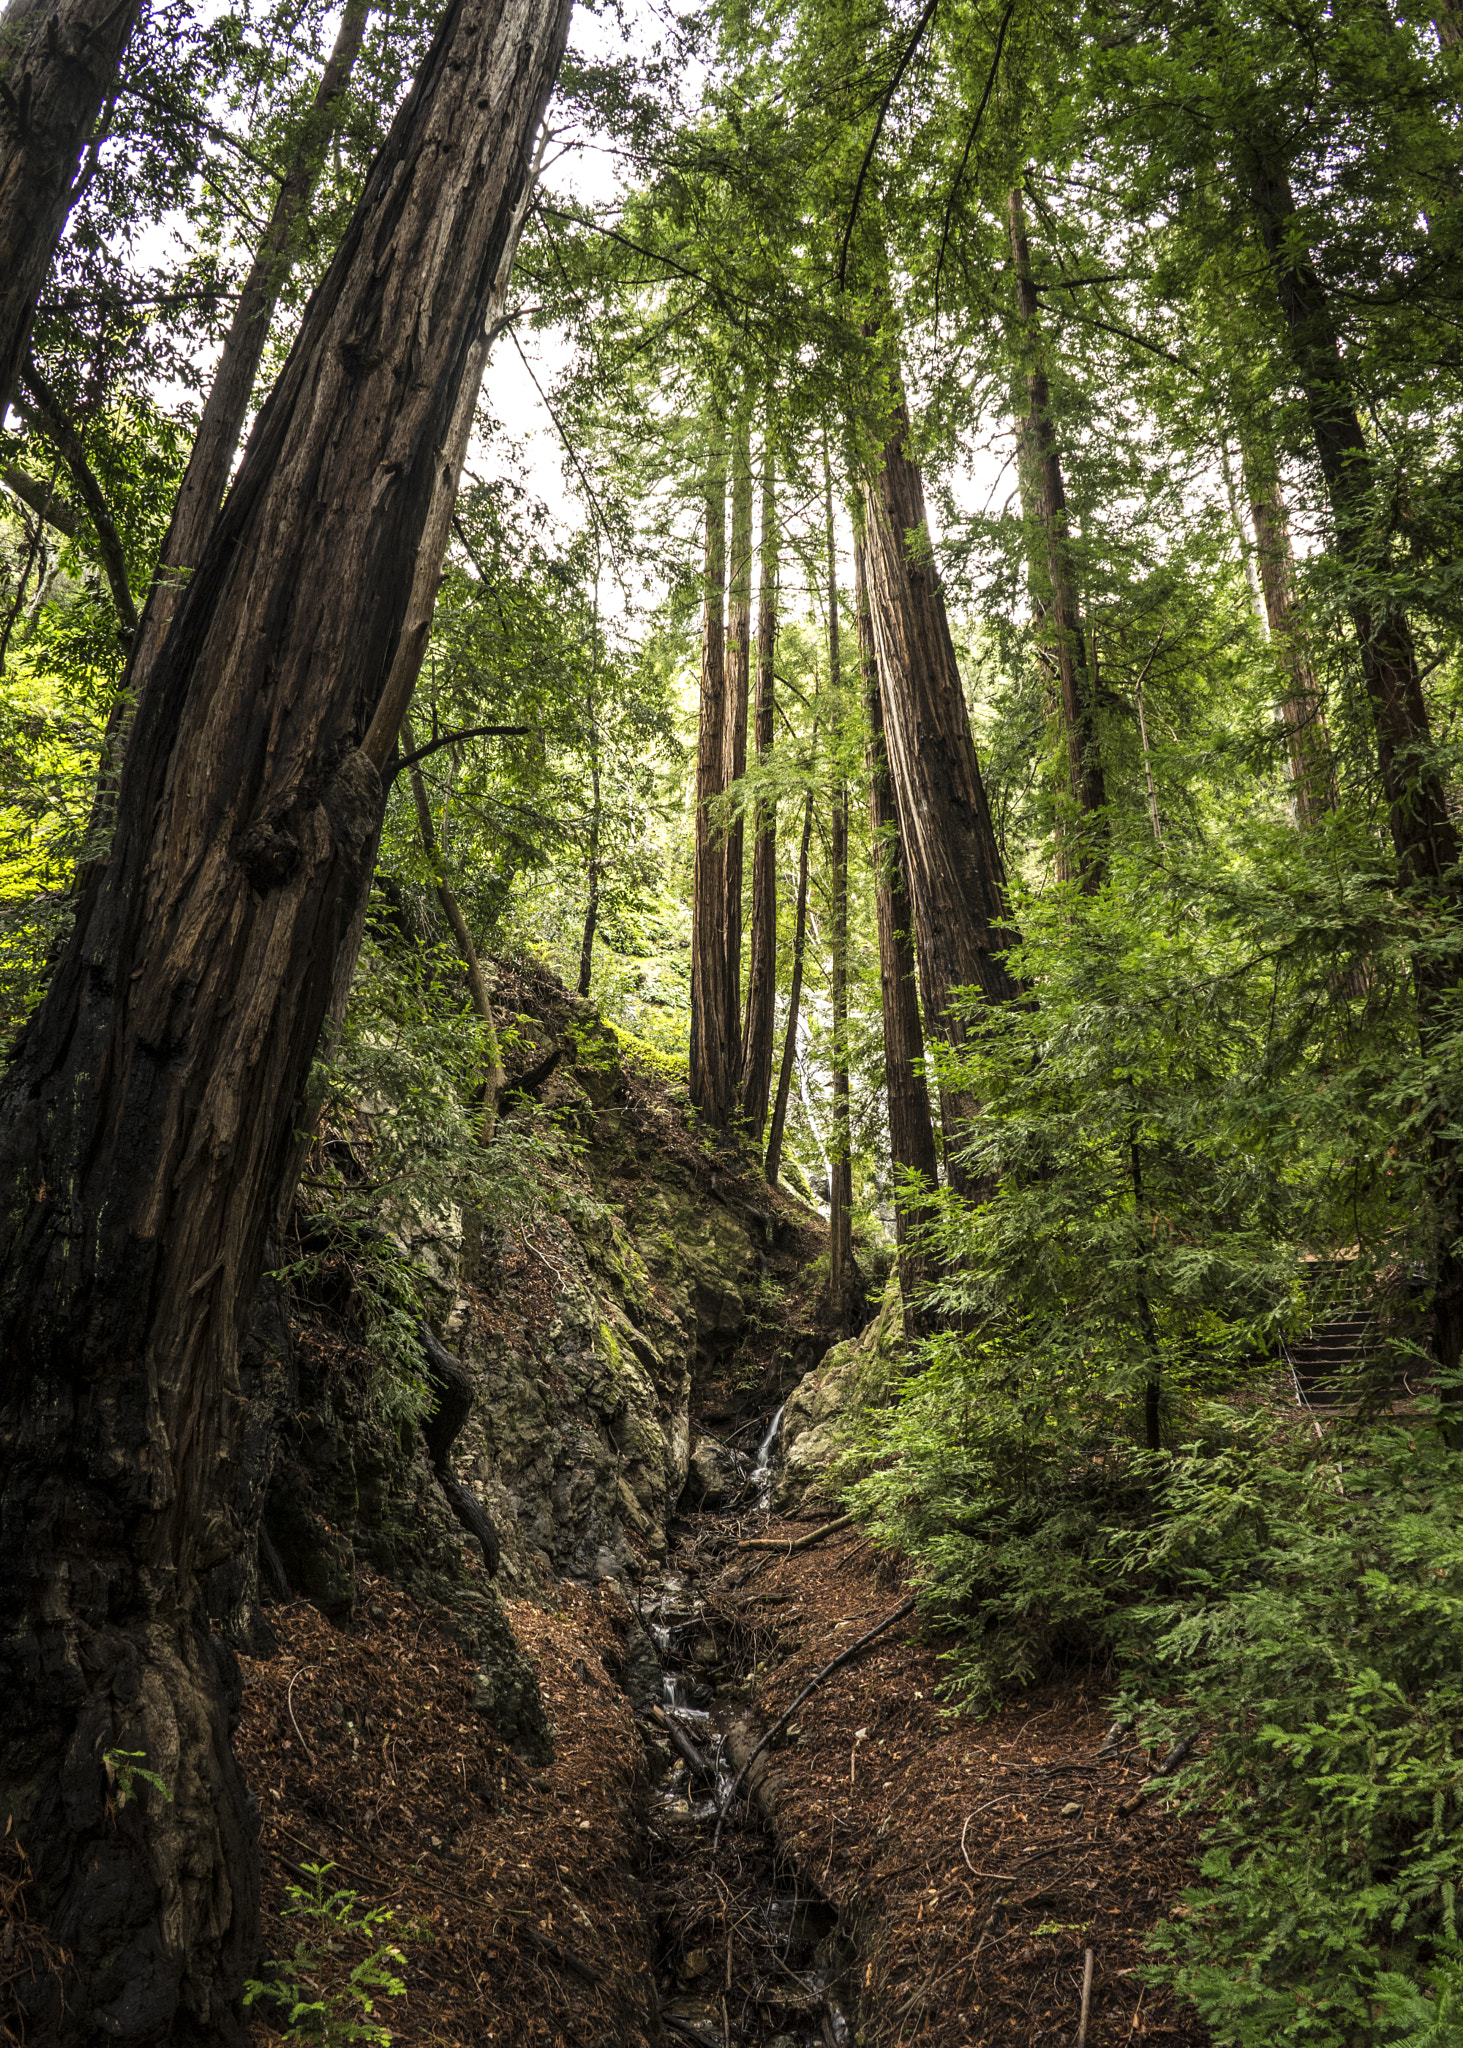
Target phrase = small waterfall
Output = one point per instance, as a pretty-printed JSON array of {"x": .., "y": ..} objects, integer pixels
[{"x": 765, "y": 1465}]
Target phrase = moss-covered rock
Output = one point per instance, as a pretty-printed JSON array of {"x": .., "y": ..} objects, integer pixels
[{"x": 817, "y": 1419}]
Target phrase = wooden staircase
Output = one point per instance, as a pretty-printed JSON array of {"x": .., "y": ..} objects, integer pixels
[{"x": 1329, "y": 1364}]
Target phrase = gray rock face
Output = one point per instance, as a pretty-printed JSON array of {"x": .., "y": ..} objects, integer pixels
[
  {"x": 816, "y": 1419},
  {"x": 579, "y": 1443},
  {"x": 716, "y": 1474}
]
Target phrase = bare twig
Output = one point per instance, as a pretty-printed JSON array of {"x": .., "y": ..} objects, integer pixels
[
  {"x": 844, "y": 1657},
  {"x": 1086, "y": 1999},
  {"x": 289, "y": 1700}
]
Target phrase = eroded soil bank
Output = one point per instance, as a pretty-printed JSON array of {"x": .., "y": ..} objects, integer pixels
[{"x": 942, "y": 1878}]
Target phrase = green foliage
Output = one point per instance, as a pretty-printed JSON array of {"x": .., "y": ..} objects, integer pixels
[
  {"x": 124, "y": 1767},
  {"x": 322, "y": 2001},
  {"x": 1307, "y": 1610}
]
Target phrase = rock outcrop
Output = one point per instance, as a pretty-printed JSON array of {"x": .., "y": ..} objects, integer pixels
[{"x": 815, "y": 1442}]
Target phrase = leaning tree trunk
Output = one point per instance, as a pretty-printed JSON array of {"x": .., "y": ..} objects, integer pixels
[
  {"x": 209, "y": 460},
  {"x": 912, "y": 1156},
  {"x": 1423, "y": 834},
  {"x": 957, "y": 885},
  {"x": 738, "y": 692},
  {"x": 58, "y": 66},
  {"x": 841, "y": 1276},
  {"x": 1055, "y": 575},
  {"x": 148, "y": 1117},
  {"x": 759, "y": 1027},
  {"x": 713, "y": 1063}
]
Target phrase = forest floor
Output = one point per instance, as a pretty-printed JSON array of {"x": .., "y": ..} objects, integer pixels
[
  {"x": 974, "y": 1861},
  {"x": 977, "y": 1859},
  {"x": 514, "y": 1892}
]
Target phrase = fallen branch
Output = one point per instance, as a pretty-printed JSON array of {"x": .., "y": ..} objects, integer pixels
[
  {"x": 787, "y": 1546},
  {"x": 1177, "y": 1755},
  {"x": 1086, "y": 2000},
  {"x": 844, "y": 1657}
]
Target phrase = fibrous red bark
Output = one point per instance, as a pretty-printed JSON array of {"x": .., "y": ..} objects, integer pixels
[
  {"x": 147, "y": 1121},
  {"x": 957, "y": 885},
  {"x": 759, "y": 1023},
  {"x": 841, "y": 1276},
  {"x": 738, "y": 693},
  {"x": 211, "y": 456}
]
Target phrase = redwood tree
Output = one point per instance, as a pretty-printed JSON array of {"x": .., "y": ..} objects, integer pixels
[
  {"x": 957, "y": 884},
  {"x": 212, "y": 453},
  {"x": 147, "y": 1119},
  {"x": 911, "y": 1132},
  {"x": 58, "y": 64},
  {"x": 714, "y": 1050},
  {"x": 758, "y": 1028},
  {"x": 1054, "y": 572}
]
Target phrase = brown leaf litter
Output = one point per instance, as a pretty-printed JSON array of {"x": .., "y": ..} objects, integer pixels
[
  {"x": 514, "y": 1891},
  {"x": 978, "y": 1859}
]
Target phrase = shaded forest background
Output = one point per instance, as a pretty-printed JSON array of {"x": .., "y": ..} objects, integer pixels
[{"x": 986, "y": 736}]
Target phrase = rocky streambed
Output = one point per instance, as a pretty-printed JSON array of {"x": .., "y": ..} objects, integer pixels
[{"x": 747, "y": 1949}]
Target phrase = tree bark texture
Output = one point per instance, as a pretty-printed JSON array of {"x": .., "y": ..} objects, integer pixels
[
  {"x": 759, "y": 1026},
  {"x": 1422, "y": 831},
  {"x": 738, "y": 692},
  {"x": 212, "y": 453},
  {"x": 841, "y": 1276},
  {"x": 773, "y": 1161},
  {"x": 714, "y": 1051},
  {"x": 957, "y": 885},
  {"x": 58, "y": 66},
  {"x": 1302, "y": 705},
  {"x": 1054, "y": 573},
  {"x": 911, "y": 1129},
  {"x": 147, "y": 1121}
]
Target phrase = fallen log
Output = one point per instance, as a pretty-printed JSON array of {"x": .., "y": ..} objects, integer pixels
[
  {"x": 835, "y": 1664},
  {"x": 788, "y": 1546}
]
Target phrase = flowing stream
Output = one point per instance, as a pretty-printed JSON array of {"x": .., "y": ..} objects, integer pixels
[{"x": 745, "y": 1957}]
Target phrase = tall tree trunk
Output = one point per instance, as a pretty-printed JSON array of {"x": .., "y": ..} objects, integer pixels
[
  {"x": 1302, "y": 705},
  {"x": 147, "y": 1120},
  {"x": 962, "y": 919},
  {"x": 773, "y": 1162},
  {"x": 477, "y": 984},
  {"x": 759, "y": 1026},
  {"x": 58, "y": 67},
  {"x": 1422, "y": 831},
  {"x": 1055, "y": 572},
  {"x": 738, "y": 691},
  {"x": 841, "y": 1276},
  {"x": 591, "y": 906},
  {"x": 714, "y": 1052},
  {"x": 911, "y": 1130},
  {"x": 209, "y": 461}
]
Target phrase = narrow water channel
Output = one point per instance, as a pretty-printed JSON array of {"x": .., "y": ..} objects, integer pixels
[{"x": 746, "y": 1956}]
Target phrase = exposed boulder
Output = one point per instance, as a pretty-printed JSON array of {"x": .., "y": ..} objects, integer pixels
[
  {"x": 716, "y": 1474},
  {"x": 818, "y": 1417}
]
